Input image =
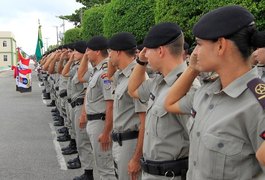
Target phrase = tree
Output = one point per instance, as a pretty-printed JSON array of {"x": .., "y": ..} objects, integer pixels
[
  {"x": 92, "y": 23},
  {"x": 72, "y": 35},
  {"x": 135, "y": 16}
]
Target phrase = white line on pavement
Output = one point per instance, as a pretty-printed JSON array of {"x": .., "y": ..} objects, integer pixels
[{"x": 60, "y": 157}]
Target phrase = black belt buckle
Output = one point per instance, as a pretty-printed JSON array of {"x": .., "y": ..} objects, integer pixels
[
  {"x": 103, "y": 117},
  {"x": 117, "y": 138}
]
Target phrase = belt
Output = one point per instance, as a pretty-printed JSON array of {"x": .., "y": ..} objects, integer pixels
[
  {"x": 100, "y": 116},
  {"x": 119, "y": 137},
  {"x": 77, "y": 102},
  {"x": 166, "y": 168},
  {"x": 69, "y": 100}
]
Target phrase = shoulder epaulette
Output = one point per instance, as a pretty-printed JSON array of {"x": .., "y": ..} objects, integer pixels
[
  {"x": 257, "y": 87},
  {"x": 104, "y": 65}
]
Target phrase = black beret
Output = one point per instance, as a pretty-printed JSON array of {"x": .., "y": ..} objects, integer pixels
[
  {"x": 222, "y": 22},
  {"x": 97, "y": 43},
  {"x": 122, "y": 41},
  {"x": 80, "y": 46},
  {"x": 162, "y": 34},
  {"x": 71, "y": 46},
  {"x": 140, "y": 47}
]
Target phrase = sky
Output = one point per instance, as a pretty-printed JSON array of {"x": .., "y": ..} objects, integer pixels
[{"x": 21, "y": 18}]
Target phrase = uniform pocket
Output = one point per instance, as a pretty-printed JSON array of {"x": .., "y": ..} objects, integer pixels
[
  {"x": 161, "y": 125},
  {"x": 93, "y": 91},
  {"x": 220, "y": 157}
]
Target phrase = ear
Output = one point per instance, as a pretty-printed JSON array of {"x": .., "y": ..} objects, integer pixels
[
  {"x": 222, "y": 45},
  {"x": 161, "y": 51}
]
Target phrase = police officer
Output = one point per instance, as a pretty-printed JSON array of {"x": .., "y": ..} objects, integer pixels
[
  {"x": 227, "y": 114},
  {"x": 128, "y": 113},
  {"x": 98, "y": 109},
  {"x": 166, "y": 142}
]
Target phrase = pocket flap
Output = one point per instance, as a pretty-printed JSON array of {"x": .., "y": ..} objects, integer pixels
[{"x": 222, "y": 145}]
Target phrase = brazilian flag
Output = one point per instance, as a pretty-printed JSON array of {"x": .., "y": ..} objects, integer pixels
[{"x": 39, "y": 46}]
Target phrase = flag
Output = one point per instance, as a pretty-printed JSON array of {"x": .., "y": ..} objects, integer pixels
[
  {"x": 24, "y": 80},
  {"x": 39, "y": 46},
  {"x": 23, "y": 62}
]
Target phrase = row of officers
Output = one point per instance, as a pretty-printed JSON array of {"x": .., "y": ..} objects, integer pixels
[{"x": 174, "y": 123}]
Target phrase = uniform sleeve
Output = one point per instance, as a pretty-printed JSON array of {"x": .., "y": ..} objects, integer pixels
[
  {"x": 106, "y": 85},
  {"x": 140, "y": 106},
  {"x": 144, "y": 90},
  {"x": 87, "y": 75},
  {"x": 72, "y": 72},
  {"x": 186, "y": 103}
]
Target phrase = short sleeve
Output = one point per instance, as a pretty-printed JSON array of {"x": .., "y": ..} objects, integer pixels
[
  {"x": 144, "y": 90},
  {"x": 140, "y": 106},
  {"x": 106, "y": 85},
  {"x": 186, "y": 103}
]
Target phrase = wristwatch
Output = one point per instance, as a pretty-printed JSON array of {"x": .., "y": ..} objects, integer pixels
[{"x": 141, "y": 62}]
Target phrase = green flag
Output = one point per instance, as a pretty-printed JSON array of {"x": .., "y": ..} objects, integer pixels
[{"x": 39, "y": 46}]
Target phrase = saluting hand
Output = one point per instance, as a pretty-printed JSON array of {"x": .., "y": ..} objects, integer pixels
[
  {"x": 134, "y": 168},
  {"x": 142, "y": 56},
  {"x": 105, "y": 141}
]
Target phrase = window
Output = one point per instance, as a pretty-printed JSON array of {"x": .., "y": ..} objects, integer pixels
[
  {"x": 4, "y": 44},
  {"x": 5, "y": 57}
]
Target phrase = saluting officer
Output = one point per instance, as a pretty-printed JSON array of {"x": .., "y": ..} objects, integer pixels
[
  {"x": 128, "y": 113},
  {"x": 166, "y": 142},
  {"x": 98, "y": 108},
  {"x": 227, "y": 114}
]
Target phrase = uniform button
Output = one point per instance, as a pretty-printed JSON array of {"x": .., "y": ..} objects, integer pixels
[
  {"x": 198, "y": 134},
  {"x": 194, "y": 163},
  {"x": 211, "y": 106},
  {"x": 220, "y": 145}
]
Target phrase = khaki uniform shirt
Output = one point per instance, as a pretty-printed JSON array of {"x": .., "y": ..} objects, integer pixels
[
  {"x": 261, "y": 71},
  {"x": 224, "y": 130},
  {"x": 72, "y": 71},
  {"x": 98, "y": 89},
  {"x": 165, "y": 135},
  {"x": 125, "y": 108},
  {"x": 78, "y": 89}
]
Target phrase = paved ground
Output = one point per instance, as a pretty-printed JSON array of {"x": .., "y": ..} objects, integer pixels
[{"x": 27, "y": 150}]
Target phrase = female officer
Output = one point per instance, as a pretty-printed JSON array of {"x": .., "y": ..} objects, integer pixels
[{"x": 227, "y": 114}]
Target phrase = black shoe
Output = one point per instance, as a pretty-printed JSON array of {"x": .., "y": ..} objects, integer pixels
[
  {"x": 63, "y": 130},
  {"x": 64, "y": 138},
  {"x": 72, "y": 144},
  {"x": 42, "y": 84},
  {"x": 59, "y": 123},
  {"x": 52, "y": 104},
  {"x": 86, "y": 176},
  {"x": 73, "y": 160},
  {"x": 69, "y": 151},
  {"x": 74, "y": 165},
  {"x": 58, "y": 118},
  {"x": 54, "y": 110},
  {"x": 46, "y": 96},
  {"x": 44, "y": 91}
]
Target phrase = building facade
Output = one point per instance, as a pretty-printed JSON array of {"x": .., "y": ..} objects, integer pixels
[{"x": 8, "y": 56}]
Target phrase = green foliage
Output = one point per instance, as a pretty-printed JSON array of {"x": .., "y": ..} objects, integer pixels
[
  {"x": 92, "y": 23},
  {"x": 91, "y": 3},
  {"x": 186, "y": 13},
  {"x": 72, "y": 35},
  {"x": 135, "y": 16}
]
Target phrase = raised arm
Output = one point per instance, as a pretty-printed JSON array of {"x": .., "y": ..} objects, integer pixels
[
  {"x": 138, "y": 76},
  {"x": 67, "y": 67},
  {"x": 83, "y": 68},
  {"x": 181, "y": 86}
]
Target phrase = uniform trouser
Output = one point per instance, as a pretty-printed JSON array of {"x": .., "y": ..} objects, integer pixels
[
  {"x": 63, "y": 105},
  {"x": 122, "y": 155},
  {"x": 261, "y": 176},
  {"x": 146, "y": 176},
  {"x": 68, "y": 120},
  {"x": 83, "y": 143},
  {"x": 72, "y": 119},
  {"x": 103, "y": 160},
  {"x": 47, "y": 86}
]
